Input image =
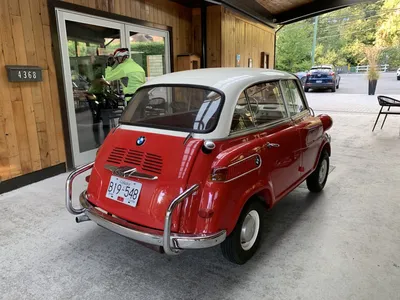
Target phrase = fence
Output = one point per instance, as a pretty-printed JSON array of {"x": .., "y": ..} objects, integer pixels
[
  {"x": 361, "y": 69},
  {"x": 382, "y": 68}
]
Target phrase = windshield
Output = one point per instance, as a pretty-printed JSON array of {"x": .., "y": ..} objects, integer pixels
[{"x": 183, "y": 108}]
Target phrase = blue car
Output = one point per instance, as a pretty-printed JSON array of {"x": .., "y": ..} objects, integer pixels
[
  {"x": 322, "y": 78},
  {"x": 302, "y": 76}
]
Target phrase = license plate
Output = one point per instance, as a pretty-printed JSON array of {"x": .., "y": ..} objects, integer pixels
[
  {"x": 124, "y": 190},
  {"x": 319, "y": 81}
]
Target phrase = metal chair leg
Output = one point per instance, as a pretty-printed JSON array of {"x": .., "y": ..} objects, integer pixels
[
  {"x": 377, "y": 119},
  {"x": 384, "y": 120}
]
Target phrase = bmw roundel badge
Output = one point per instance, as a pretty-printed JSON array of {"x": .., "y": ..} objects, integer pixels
[{"x": 140, "y": 141}]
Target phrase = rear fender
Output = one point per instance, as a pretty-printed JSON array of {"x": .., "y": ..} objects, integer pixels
[
  {"x": 226, "y": 206},
  {"x": 260, "y": 193},
  {"x": 225, "y": 200}
]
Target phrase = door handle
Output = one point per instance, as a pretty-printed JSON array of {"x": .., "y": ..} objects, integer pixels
[{"x": 272, "y": 145}]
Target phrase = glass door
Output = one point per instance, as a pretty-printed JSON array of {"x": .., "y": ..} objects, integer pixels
[
  {"x": 150, "y": 49},
  {"x": 94, "y": 105}
]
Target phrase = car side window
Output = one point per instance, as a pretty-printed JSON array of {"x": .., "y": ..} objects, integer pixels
[
  {"x": 266, "y": 102},
  {"x": 242, "y": 117},
  {"x": 293, "y": 97}
]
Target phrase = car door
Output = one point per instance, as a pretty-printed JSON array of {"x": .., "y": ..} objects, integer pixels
[
  {"x": 309, "y": 128},
  {"x": 281, "y": 142}
]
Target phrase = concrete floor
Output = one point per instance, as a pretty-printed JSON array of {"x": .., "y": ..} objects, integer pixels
[{"x": 341, "y": 244}]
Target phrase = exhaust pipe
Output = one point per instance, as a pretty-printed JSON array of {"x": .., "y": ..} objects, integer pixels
[{"x": 81, "y": 218}]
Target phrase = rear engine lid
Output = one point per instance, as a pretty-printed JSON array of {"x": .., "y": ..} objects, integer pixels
[{"x": 154, "y": 167}]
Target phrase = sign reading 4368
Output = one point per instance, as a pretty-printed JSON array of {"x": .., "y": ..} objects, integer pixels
[{"x": 24, "y": 73}]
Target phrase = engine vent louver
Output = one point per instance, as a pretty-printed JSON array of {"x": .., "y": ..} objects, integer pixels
[{"x": 148, "y": 162}]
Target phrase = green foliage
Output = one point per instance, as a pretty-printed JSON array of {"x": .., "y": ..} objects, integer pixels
[
  {"x": 150, "y": 48},
  {"x": 342, "y": 36},
  {"x": 328, "y": 56},
  {"x": 388, "y": 33},
  {"x": 293, "y": 49},
  {"x": 141, "y": 50}
]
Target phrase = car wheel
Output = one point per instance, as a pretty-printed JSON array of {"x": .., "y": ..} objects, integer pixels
[
  {"x": 306, "y": 90},
  {"x": 333, "y": 89},
  {"x": 317, "y": 179},
  {"x": 398, "y": 78},
  {"x": 244, "y": 240}
]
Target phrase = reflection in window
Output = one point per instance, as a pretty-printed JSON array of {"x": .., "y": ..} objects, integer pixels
[
  {"x": 293, "y": 97},
  {"x": 149, "y": 52},
  {"x": 96, "y": 101},
  {"x": 266, "y": 102},
  {"x": 182, "y": 108},
  {"x": 242, "y": 117}
]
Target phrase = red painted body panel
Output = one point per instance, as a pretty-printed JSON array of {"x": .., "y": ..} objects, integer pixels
[
  {"x": 216, "y": 205},
  {"x": 176, "y": 162}
]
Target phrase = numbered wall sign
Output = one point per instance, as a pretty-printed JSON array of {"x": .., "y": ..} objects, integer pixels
[{"x": 24, "y": 73}]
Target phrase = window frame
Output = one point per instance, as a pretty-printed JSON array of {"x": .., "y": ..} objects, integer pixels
[
  {"x": 264, "y": 126},
  {"x": 306, "y": 111},
  {"x": 251, "y": 112}
]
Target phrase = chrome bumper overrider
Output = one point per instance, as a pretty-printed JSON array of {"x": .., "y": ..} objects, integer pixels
[{"x": 172, "y": 243}]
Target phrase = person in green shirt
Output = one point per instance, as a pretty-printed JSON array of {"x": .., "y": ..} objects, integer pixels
[{"x": 121, "y": 67}]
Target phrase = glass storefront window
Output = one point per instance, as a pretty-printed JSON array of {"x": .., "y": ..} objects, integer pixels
[{"x": 97, "y": 104}]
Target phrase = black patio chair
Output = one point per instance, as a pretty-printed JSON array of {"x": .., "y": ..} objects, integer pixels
[{"x": 388, "y": 102}]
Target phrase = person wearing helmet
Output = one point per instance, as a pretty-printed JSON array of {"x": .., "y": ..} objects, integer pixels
[{"x": 121, "y": 67}]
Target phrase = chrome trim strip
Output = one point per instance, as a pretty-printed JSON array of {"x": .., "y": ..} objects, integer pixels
[
  {"x": 68, "y": 188},
  {"x": 302, "y": 114},
  {"x": 285, "y": 101},
  {"x": 128, "y": 172},
  {"x": 126, "y": 229},
  {"x": 254, "y": 129},
  {"x": 243, "y": 159},
  {"x": 238, "y": 162}
]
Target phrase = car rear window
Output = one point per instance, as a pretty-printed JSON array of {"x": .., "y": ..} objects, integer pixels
[
  {"x": 181, "y": 108},
  {"x": 322, "y": 70}
]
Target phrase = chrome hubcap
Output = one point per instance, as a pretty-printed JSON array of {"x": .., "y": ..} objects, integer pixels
[
  {"x": 250, "y": 229},
  {"x": 322, "y": 171}
]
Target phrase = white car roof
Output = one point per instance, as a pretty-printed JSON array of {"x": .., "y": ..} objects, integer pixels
[
  {"x": 228, "y": 80},
  {"x": 231, "y": 81}
]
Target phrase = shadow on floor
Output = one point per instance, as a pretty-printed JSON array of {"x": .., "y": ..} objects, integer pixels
[{"x": 179, "y": 275}]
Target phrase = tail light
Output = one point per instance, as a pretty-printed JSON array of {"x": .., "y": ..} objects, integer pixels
[
  {"x": 219, "y": 175},
  {"x": 326, "y": 121},
  {"x": 308, "y": 74}
]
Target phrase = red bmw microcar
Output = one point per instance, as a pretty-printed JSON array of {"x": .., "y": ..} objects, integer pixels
[{"x": 198, "y": 157}]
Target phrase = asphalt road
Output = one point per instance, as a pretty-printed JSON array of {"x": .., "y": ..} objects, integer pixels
[{"x": 358, "y": 84}]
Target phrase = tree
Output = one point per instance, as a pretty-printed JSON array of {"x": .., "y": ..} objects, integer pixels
[
  {"x": 293, "y": 49},
  {"x": 388, "y": 33},
  {"x": 341, "y": 37},
  {"x": 328, "y": 57}
]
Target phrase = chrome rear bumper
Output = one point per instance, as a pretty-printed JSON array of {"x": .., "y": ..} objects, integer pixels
[{"x": 172, "y": 243}]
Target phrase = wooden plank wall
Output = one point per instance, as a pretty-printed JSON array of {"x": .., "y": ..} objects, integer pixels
[
  {"x": 213, "y": 34},
  {"x": 244, "y": 37},
  {"x": 31, "y": 135}
]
